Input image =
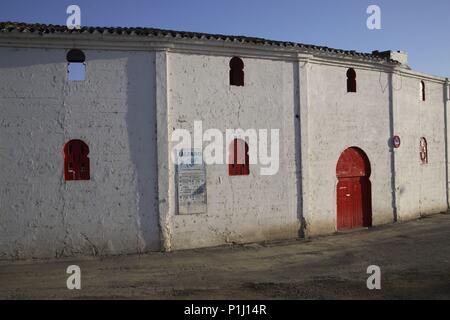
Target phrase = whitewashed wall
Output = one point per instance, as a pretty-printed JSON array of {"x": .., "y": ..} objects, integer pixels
[
  {"x": 239, "y": 208},
  {"x": 420, "y": 189},
  {"x": 113, "y": 111},
  {"x": 338, "y": 120}
]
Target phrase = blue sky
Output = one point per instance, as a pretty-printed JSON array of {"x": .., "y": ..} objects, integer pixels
[{"x": 422, "y": 28}]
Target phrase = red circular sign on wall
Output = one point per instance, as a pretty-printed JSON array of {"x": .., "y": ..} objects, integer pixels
[{"x": 396, "y": 142}]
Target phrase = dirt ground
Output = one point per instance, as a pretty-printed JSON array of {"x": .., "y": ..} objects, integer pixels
[{"x": 414, "y": 258}]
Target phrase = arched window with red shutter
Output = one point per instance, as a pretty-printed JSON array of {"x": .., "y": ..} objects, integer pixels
[
  {"x": 351, "y": 80},
  {"x": 236, "y": 72},
  {"x": 239, "y": 164},
  {"x": 76, "y": 161},
  {"x": 423, "y": 150}
]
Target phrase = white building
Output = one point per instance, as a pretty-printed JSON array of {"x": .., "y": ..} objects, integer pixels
[{"x": 346, "y": 159}]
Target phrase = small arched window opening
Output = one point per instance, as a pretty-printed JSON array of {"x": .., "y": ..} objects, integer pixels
[
  {"x": 76, "y": 161},
  {"x": 423, "y": 150},
  {"x": 236, "y": 72},
  {"x": 76, "y": 67},
  {"x": 351, "y": 80},
  {"x": 239, "y": 164},
  {"x": 422, "y": 91}
]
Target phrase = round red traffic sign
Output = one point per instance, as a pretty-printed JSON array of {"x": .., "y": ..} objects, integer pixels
[{"x": 396, "y": 142}]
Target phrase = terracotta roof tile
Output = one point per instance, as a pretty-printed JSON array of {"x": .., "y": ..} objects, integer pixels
[{"x": 36, "y": 28}]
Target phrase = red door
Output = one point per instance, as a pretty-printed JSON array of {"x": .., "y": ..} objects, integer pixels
[{"x": 353, "y": 190}]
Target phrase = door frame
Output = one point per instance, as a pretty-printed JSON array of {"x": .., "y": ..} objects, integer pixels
[{"x": 366, "y": 187}]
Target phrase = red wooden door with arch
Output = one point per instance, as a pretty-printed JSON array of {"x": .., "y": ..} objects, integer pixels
[{"x": 353, "y": 191}]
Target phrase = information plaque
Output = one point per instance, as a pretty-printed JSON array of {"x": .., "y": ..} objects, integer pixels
[{"x": 191, "y": 182}]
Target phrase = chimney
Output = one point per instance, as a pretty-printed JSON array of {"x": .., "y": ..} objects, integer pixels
[{"x": 399, "y": 56}]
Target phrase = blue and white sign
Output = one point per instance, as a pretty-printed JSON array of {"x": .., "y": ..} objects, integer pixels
[{"x": 191, "y": 181}]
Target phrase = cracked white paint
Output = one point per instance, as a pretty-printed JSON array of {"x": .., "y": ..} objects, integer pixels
[
  {"x": 239, "y": 208},
  {"x": 113, "y": 111},
  {"x": 132, "y": 101}
]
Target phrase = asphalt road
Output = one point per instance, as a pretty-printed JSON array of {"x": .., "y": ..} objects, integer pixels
[{"x": 414, "y": 258}]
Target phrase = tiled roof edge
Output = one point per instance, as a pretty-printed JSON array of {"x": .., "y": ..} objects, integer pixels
[{"x": 41, "y": 29}]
